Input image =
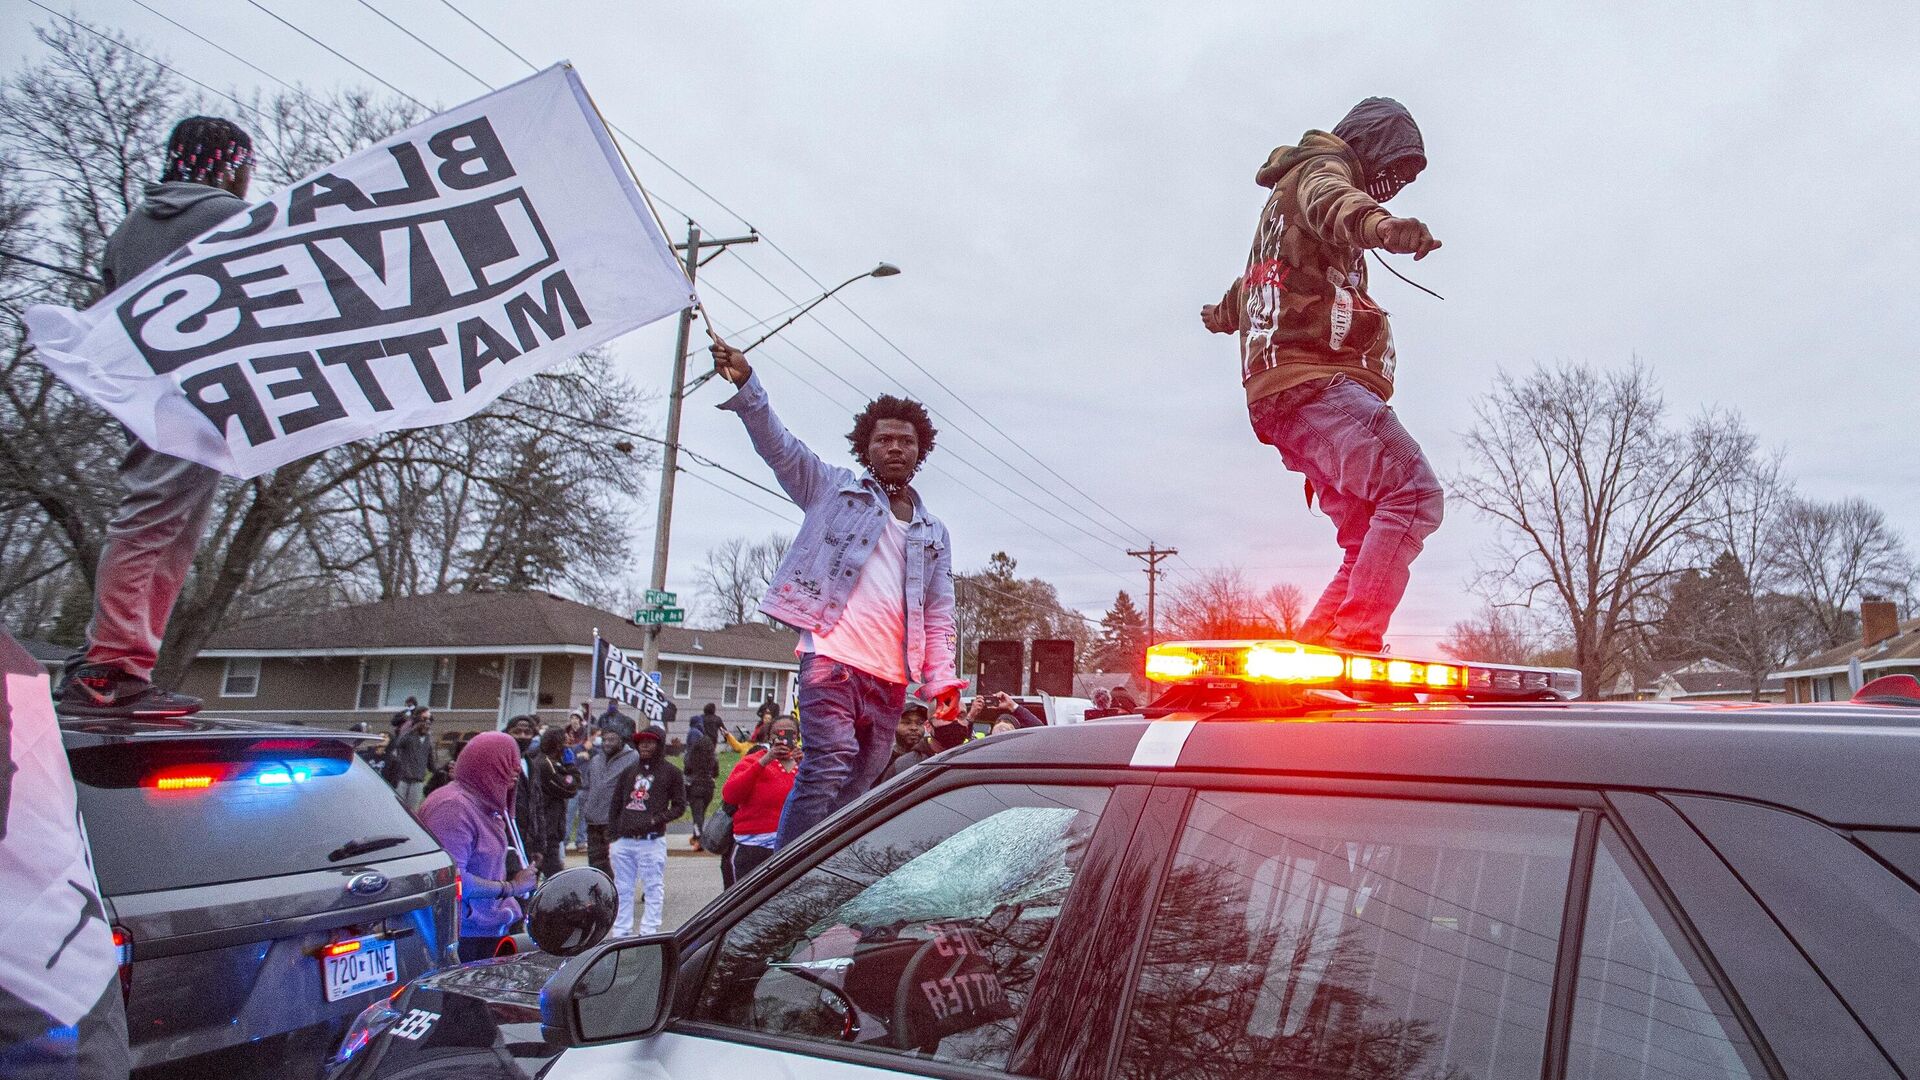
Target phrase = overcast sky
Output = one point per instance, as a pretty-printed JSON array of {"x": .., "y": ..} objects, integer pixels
[{"x": 1722, "y": 189}]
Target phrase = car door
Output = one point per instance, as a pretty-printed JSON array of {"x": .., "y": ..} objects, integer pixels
[
  {"x": 1351, "y": 932},
  {"x": 920, "y": 940}
]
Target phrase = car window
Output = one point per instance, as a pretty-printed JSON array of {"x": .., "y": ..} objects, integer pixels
[
  {"x": 1352, "y": 939},
  {"x": 920, "y": 937},
  {"x": 1644, "y": 1006},
  {"x": 183, "y": 812}
]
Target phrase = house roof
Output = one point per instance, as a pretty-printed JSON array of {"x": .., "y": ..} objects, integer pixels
[
  {"x": 1900, "y": 650},
  {"x": 1695, "y": 683},
  {"x": 487, "y": 622}
]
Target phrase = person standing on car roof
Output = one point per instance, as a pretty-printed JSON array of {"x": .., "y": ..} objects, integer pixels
[
  {"x": 611, "y": 755},
  {"x": 157, "y": 527},
  {"x": 1317, "y": 357},
  {"x": 868, "y": 582},
  {"x": 468, "y": 817},
  {"x": 650, "y": 795}
]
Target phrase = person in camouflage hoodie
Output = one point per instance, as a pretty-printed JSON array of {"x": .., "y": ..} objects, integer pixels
[{"x": 1317, "y": 358}]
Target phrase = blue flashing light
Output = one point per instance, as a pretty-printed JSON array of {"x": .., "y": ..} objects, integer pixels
[{"x": 281, "y": 777}]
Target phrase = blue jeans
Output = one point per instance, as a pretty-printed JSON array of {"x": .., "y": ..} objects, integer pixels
[
  {"x": 1376, "y": 487},
  {"x": 847, "y": 720}
]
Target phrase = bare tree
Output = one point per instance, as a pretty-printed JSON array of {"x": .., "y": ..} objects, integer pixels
[
  {"x": 1598, "y": 499},
  {"x": 1829, "y": 555},
  {"x": 737, "y": 574},
  {"x": 1496, "y": 635},
  {"x": 1219, "y": 603},
  {"x": 995, "y": 603},
  {"x": 1286, "y": 607},
  {"x": 515, "y": 497}
]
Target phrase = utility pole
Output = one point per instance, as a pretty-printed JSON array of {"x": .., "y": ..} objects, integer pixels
[
  {"x": 1152, "y": 557},
  {"x": 670, "y": 454}
]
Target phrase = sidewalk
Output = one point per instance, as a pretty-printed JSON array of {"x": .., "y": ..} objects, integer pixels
[{"x": 693, "y": 878}]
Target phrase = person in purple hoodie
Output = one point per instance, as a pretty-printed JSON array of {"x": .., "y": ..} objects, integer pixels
[{"x": 469, "y": 818}]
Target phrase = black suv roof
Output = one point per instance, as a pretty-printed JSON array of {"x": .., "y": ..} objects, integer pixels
[
  {"x": 1847, "y": 765},
  {"x": 94, "y": 731}
]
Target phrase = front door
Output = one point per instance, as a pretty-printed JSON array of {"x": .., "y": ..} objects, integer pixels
[{"x": 520, "y": 690}]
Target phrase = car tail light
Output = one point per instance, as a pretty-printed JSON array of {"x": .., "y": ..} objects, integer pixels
[
  {"x": 123, "y": 955},
  {"x": 341, "y": 948}
]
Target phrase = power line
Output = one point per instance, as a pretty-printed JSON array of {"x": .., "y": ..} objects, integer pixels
[
  {"x": 754, "y": 270},
  {"x": 156, "y": 63},
  {"x": 422, "y": 42},
  {"x": 717, "y": 201},
  {"x": 957, "y": 456},
  {"x": 222, "y": 49},
  {"x": 469, "y": 20},
  {"x": 277, "y": 18}
]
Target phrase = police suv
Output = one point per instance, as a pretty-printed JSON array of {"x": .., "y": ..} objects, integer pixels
[{"x": 1297, "y": 863}]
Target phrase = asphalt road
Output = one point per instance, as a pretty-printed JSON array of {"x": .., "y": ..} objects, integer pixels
[{"x": 692, "y": 881}]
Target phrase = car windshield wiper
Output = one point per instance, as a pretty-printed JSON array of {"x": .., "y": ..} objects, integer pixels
[{"x": 360, "y": 847}]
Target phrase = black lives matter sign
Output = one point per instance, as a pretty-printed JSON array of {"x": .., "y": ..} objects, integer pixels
[
  {"x": 409, "y": 284},
  {"x": 485, "y": 269},
  {"x": 619, "y": 676}
]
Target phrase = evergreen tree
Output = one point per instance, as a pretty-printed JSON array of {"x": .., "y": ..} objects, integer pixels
[{"x": 1123, "y": 637}]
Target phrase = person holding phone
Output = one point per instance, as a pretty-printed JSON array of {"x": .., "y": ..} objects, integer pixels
[
  {"x": 984, "y": 709},
  {"x": 757, "y": 789}
]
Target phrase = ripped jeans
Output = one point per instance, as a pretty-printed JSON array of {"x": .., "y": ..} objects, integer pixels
[{"x": 1376, "y": 487}]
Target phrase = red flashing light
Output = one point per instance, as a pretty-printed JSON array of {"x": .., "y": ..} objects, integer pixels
[
  {"x": 341, "y": 948},
  {"x": 193, "y": 779}
]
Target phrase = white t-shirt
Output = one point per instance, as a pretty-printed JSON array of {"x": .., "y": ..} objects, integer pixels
[{"x": 872, "y": 633}]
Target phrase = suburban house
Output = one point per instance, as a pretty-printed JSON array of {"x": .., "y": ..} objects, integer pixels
[
  {"x": 1887, "y": 646},
  {"x": 475, "y": 658},
  {"x": 1697, "y": 680}
]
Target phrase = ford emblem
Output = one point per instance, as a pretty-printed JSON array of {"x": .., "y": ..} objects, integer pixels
[{"x": 370, "y": 883}]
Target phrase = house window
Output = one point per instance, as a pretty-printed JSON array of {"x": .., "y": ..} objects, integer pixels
[
  {"x": 730, "y": 687},
  {"x": 440, "y": 691},
  {"x": 683, "y": 680},
  {"x": 242, "y": 677},
  {"x": 387, "y": 683},
  {"x": 373, "y": 683},
  {"x": 763, "y": 686}
]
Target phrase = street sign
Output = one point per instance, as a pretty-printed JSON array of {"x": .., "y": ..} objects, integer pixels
[
  {"x": 656, "y": 598},
  {"x": 655, "y": 616}
]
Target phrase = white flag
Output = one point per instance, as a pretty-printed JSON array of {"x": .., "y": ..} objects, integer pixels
[
  {"x": 409, "y": 285},
  {"x": 56, "y": 949}
]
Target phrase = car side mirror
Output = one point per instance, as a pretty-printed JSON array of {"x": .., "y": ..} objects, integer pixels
[
  {"x": 572, "y": 911},
  {"x": 620, "y": 990}
]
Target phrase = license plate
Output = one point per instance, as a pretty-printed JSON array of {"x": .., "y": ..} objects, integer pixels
[{"x": 367, "y": 968}]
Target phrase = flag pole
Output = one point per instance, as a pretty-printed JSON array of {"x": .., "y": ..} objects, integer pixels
[{"x": 706, "y": 322}]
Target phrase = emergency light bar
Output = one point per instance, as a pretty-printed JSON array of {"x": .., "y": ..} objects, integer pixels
[{"x": 1290, "y": 663}]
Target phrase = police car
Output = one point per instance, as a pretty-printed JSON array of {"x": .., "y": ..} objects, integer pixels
[{"x": 1297, "y": 863}]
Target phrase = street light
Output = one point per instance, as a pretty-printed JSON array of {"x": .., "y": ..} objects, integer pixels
[
  {"x": 885, "y": 269},
  {"x": 676, "y": 393}
]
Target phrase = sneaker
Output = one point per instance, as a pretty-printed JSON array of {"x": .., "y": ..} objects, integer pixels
[{"x": 102, "y": 690}]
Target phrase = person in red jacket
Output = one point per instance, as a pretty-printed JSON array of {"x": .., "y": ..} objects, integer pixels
[{"x": 757, "y": 788}]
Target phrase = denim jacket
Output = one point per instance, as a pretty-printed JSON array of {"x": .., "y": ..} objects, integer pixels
[{"x": 845, "y": 514}]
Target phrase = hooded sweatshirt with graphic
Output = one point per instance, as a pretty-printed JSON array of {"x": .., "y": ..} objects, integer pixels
[
  {"x": 171, "y": 214},
  {"x": 469, "y": 819},
  {"x": 1302, "y": 307}
]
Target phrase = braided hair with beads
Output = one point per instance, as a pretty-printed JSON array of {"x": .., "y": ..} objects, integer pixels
[{"x": 207, "y": 150}]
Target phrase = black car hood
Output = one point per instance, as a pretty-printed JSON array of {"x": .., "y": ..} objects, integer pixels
[{"x": 477, "y": 1021}]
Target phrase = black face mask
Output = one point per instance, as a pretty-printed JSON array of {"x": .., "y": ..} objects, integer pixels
[
  {"x": 1382, "y": 188},
  {"x": 524, "y": 741}
]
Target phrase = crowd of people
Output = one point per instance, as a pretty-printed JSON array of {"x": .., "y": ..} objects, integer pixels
[{"x": 510, "y": 805}]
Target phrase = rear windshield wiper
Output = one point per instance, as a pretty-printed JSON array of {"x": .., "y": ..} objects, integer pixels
[{"x": 360, "y": 847}]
